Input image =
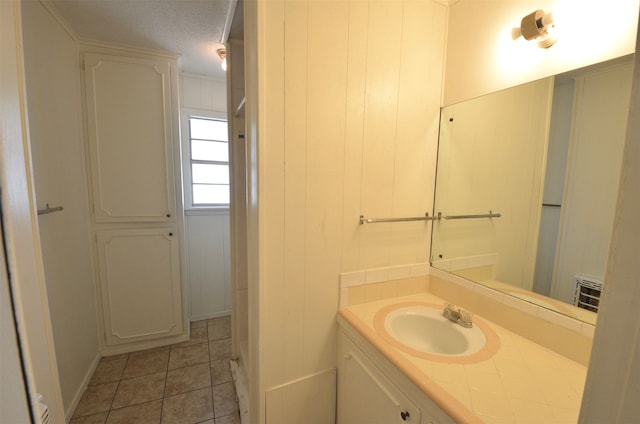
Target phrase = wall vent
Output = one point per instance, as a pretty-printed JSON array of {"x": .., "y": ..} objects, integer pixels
[
  {"x": 587, "y": 293},
  {"x": 44, "y": 411}
]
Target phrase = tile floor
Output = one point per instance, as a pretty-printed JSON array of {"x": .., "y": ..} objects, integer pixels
[{"x": 185, "y": 383}]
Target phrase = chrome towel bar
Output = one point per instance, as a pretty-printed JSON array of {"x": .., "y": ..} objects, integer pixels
[
  {"x": 426, "y": 217},
  {"x": 47, "y": 209},
  {"x": 484, "y": 215}
]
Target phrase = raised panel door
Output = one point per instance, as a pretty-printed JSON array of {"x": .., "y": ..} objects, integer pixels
[
  {"x": 129, "y": 128},
  {"x": 140, "y": 283},
  {"x": 365, "y": 395}
]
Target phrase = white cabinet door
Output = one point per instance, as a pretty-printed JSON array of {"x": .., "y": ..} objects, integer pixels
[
  {"x": 365, "y": 395},
  {"x": 140, "y": 283},
  {"x": 130, "y": 109},
  {"x": 129, "y": 129}
]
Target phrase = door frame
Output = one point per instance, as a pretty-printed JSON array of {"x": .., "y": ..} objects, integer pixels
[{"x": 20, "y": 221}]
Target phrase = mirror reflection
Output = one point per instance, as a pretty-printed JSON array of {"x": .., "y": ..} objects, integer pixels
[{"x": 532, "y": 174}]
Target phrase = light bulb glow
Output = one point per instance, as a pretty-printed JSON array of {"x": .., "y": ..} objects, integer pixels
[{"x": 222, "y": 54}]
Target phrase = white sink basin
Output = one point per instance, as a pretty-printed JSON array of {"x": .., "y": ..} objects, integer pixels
[{"x": 425, "y": 329}]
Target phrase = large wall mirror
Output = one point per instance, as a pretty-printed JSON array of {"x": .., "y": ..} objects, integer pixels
[{"x": 527, "y": 183}]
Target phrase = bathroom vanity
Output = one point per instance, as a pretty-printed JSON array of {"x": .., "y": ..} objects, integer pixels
[
  {"x": 509, "y": 380},
  {"x": 367, "y": 394}
]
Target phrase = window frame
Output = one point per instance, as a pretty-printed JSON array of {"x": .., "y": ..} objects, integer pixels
[{"x": 187, "y": 179}]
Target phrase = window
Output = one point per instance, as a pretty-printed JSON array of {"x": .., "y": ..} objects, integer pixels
[{"x": 209, "y": 162}]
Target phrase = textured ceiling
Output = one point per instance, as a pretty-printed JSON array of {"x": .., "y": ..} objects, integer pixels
[{"x": 192, "y": 29}]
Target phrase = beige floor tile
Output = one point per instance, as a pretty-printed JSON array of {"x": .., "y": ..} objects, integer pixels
[
  {"x": 198, "y": 335},
  {"x": 145, "y": 413},
  {"x": 187, "y": 379},
  {"x": 139, "y": 390},
  {"x": 108, "y": 371},
  {"x": 189, "y": 355},
  {"x": 96, "y": 399},
  {"x": 217, "y": 332},
  {"x": 196, "y": 324},
  {"x": 225, "y": 320},
  {"x": 220, "y": 371},
  {"x": 150, "y": 363},
  {"x": 220, "y": 349},
  {"x": 145, "y": 352},
  {"x": 114, "y": 357},
  {"x": 188, "y": 383},
  {"x": 229, "y": 419},
  {"x": 188, "y": 408},
  {"x": 224, "y": 399},
  {"x": 91, "y": 419}
]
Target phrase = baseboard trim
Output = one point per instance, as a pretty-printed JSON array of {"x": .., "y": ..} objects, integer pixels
[
  {"x": 210, "y": 315},
  {"x": 242, "y": 391},
  {"x": 85, "y": 383},
  {"x": 147, "y": 344}
]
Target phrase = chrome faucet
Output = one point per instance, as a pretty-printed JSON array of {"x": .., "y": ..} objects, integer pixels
[{"x": 457, "y": 315}]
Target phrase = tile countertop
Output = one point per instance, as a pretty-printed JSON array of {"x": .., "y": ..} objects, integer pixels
[{"x": 521, "y": 383}]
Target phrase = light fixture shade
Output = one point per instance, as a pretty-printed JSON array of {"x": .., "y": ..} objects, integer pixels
[
  {"x": 535, "y": 26},
  {"x": 531, "y": 25}
]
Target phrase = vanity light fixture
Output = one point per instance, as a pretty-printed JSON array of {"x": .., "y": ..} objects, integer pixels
[
  {"x": 537, "y": 26},
  {"x": 222, "y": 54}
]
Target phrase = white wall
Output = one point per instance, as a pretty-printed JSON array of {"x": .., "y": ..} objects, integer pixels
[
  {"x": 208, "y": 257},
  {"x": 55, "y": 117},
  {"x": 204, "y": 93},
  {"x": 348, "y": 121},
  {"x": 482, "y": 57},
  {"x": 206, "y": 231}
]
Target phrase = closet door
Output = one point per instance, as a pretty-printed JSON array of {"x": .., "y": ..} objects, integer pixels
[
  {"x": 140, "y": 283},
  {"x": 130, "y": 135},
  {"x": 130, "y": 140}
]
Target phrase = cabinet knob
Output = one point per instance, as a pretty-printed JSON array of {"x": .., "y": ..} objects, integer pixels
[
  {"x": 170, "y": 234},
  {"x": 168, "y": 215},
  {"x": 404, "y": 415},
  {"x": 347, "y": 356}
]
